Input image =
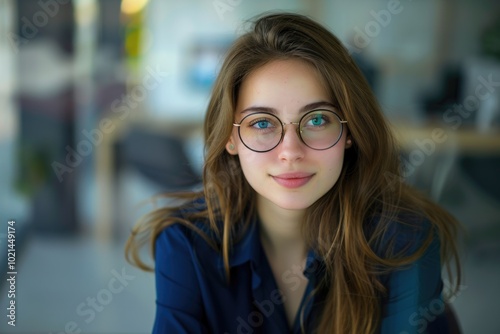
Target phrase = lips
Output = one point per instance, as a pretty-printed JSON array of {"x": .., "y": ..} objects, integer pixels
[{"x": 292, "y": 180}]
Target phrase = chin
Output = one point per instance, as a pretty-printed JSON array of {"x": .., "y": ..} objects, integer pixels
[{"x": 292, "y": 204}]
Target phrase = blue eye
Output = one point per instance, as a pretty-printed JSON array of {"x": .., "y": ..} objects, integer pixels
[
  {"x": 262, "y": 124},
  {"x": 316, "y": 120}
]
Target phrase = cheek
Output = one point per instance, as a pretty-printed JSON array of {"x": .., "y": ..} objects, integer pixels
[
  {"x": 334, "y": 161},
  {"x": 249, "y": 160}
]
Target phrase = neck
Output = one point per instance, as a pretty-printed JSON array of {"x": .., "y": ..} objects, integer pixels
[{"x": 280, "y": 229}]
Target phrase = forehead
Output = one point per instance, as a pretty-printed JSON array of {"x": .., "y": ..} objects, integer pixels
[{"x": 282, "y": 84}]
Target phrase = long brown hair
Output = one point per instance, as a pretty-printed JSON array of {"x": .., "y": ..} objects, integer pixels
[{"x": 368, "y": 189}]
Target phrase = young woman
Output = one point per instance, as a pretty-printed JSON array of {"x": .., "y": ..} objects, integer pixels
[{"x": 303, "y": 225}]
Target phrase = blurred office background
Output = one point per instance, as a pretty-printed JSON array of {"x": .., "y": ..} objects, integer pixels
[{"x": 101, "y": 106}]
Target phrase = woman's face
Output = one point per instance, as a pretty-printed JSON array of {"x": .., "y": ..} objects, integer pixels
[{"x": 292, "y": 176}]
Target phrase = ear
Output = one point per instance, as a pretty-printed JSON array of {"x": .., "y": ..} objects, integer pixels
[
  {"x": 348, "y": 142},
  {"x": 231, "y": 147}
]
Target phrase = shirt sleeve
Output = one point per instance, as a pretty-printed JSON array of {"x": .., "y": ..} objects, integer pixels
[
  {"x": 179, "y": 307},
  {"x": 414, "y": 303}
]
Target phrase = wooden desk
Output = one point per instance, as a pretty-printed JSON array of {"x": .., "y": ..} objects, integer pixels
[{"x": 466, "y": 139}]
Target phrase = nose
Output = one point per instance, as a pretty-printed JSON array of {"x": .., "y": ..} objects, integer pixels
[{"x": 291, "y": 147}]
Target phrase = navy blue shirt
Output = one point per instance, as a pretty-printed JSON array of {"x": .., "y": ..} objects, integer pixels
[{"x": 193, "y": 295}]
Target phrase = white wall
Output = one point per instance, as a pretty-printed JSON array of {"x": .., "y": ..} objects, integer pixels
[
  {"x": 174, "y": 27},
  {"x": 411, "y": 46},
  {"x": 8, "y": 52}
]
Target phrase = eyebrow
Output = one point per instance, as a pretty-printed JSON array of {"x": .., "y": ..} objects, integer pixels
[{"x": 307, "y": 107}]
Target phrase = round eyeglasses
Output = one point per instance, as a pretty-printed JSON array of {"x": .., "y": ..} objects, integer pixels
[{"x": 318, "y": 129}]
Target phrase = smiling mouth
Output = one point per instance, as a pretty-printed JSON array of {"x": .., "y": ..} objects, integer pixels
[{"x": 293, "y": 180}]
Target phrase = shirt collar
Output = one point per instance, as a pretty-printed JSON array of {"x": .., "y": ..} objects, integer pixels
[
  {"x": 315, "y": 265},
  {"x": 249, "y": 249}
]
